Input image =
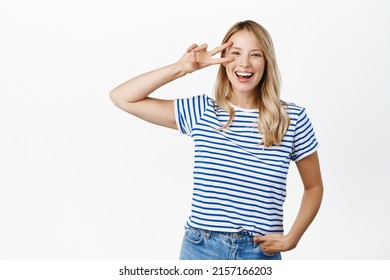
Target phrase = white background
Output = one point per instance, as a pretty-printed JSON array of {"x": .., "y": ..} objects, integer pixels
[{"x": 80, "y": 179}]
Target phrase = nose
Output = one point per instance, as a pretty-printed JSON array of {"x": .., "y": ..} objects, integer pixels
[{"x": 244, "y": 61}]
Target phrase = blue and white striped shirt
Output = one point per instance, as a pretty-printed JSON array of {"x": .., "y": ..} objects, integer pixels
[{"x": 239, "y": 185}]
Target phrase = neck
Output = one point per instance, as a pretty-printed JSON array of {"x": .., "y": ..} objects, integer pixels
[{"x": 243, "y": 100}]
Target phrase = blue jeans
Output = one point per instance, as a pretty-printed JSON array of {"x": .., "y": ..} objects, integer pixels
[{"x": 199, "y": 244}]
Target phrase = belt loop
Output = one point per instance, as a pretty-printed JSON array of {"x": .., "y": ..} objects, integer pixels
[{"x": 207, "y": 234}]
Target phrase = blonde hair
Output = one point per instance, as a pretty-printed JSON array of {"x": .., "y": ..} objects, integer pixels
[{"x": 273, "y": 120}]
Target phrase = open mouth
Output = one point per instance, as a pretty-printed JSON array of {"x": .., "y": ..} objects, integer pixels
[{"x": 244, "y": 75}]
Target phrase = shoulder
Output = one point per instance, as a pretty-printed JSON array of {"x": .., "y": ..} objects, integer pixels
[
  {"x": 293, "y": 110},
  {"x": 200, "y": 98},
  {"x": 206, "y": 100},
  {"x": 196, "y": 103}
]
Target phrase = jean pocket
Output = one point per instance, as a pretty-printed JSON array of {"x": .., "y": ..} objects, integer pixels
[
  {"x": 193, "y": 235},
  {"x": 268, "y": 255}
]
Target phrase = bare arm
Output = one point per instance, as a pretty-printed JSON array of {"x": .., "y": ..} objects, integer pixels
[
  {"x": 132, "y": 96},
  {"x": 309, "y": 170}
]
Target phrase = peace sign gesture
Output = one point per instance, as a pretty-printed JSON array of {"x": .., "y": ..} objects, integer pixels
[{"x": 197, "y": 57}]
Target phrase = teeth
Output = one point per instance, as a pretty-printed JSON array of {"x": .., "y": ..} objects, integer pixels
[{"x": 244, "y": 74}]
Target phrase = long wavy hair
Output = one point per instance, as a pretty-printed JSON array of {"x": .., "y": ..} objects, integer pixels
[{"x": 273, "y": 120}]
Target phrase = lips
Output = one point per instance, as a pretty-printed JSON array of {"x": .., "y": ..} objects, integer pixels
[{"x": 244, "y": 75}]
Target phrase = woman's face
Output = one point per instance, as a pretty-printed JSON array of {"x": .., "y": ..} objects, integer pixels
[{"x": 247, "y": 69}]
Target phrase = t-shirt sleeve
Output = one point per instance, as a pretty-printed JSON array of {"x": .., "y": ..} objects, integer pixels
[
  {"x": 188, "y": 111},
  {"x": 305, "y": 142}
]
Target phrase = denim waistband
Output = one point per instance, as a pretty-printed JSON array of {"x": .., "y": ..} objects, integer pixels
[{"x": 241, "y": 236}]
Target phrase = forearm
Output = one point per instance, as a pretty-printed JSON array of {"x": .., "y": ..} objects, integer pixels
[
  {"x": 139, "y": 87},
  {"x": 310, "y": 204}
]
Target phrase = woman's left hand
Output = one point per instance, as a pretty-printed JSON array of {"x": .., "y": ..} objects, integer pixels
[{"x": 273, "y": 243}]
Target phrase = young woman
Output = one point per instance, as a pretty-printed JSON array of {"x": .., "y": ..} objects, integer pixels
[{"x": 244, "y": 140}]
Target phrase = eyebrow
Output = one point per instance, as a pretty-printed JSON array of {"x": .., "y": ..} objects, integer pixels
[{"x": 250, "y": 50}]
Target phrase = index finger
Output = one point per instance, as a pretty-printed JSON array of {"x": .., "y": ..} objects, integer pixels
[
  {"x": 221, "y": 48},
  {"x": 258, "y": 239}
]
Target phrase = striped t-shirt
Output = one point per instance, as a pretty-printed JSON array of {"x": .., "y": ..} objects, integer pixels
[{"x": 239, "y": 185}]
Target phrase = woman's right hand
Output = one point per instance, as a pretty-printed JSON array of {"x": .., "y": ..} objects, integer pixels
[
  {"x": 132, "y": 96},
  {"x": 198, "y": 57}
]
